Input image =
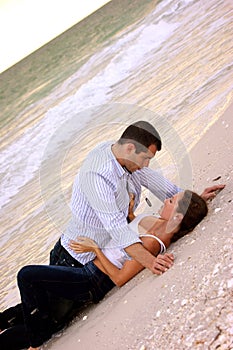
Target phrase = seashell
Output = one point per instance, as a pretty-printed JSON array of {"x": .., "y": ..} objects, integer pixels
[
  {"x": 230, "y": 283},
  {"x": 183, "y": 302},
  {"x": 143, "y": 347}
]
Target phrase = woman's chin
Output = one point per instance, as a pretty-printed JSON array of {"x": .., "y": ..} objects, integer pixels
[{"x": 160, "y": 211}]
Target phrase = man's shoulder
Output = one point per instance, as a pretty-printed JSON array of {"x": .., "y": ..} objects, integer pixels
[
  {"x": 99, "y": 159},
  {"x": 101, "y": 150}
]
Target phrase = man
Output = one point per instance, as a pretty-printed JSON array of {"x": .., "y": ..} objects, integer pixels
[
  {"x": 108, "y": 177},
  {"x": 101, "y": 192}
]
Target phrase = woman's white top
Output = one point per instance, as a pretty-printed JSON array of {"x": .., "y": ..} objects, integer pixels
[{"x": 118, "y": 256}]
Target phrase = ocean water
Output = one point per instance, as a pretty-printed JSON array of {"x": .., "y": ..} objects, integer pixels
[{"x": 173, "y": 68}]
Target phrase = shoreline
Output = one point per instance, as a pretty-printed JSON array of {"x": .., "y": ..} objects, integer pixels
[{"x": 190, "y": 306}]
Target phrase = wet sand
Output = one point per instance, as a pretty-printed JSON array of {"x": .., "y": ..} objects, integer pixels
[{"x": 190, "y": 306}]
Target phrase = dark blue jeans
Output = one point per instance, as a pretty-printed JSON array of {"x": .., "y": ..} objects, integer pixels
[
  {"x": 36, "y": 282},
  {"x": 60, "y": 256},
  {"x": 15, "y": 335}
]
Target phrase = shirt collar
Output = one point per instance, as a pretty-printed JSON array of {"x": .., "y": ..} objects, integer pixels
[{"x": 119, "y": 169}]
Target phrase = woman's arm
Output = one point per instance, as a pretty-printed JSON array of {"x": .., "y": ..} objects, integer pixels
[
  {"x": 130, "y": 267},
  {"x": 118, "y": 276},
  {"x": 87, "y": 245}
]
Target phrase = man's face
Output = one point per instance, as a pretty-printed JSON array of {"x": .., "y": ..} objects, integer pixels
[{"x": 136, "y": 161}]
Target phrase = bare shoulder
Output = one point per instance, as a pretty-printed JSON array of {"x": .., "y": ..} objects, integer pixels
[{"x": 151, "y": 244}]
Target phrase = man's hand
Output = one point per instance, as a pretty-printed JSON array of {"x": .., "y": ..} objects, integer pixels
[
  {"x": 211, "y": 192},
  {"x": 162, "y": 263}
]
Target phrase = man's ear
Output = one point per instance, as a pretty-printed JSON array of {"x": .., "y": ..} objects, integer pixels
[
  {"x": 130, "y": 147},
  {"x": 174, "y": 222}
]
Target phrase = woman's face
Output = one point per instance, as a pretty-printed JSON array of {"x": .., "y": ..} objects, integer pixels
[{"x": 169, "y": 207}]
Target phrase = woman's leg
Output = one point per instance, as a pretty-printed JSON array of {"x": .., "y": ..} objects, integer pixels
[{"x": 36, "y": 282}]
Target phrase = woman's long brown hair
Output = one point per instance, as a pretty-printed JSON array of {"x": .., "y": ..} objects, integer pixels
[{"x": 194, "y": 209}]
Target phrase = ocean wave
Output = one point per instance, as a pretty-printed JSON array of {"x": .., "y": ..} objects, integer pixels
[{"x": 22, "y": 158}]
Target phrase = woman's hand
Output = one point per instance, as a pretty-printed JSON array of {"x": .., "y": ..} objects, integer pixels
[
  {"x": 211, "y": 192},
  {"x": 83, "y": 245}
]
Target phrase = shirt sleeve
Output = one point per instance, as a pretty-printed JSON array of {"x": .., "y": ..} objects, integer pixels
[
  {"x": 155, "y": 182},
  {"x": 100, "y": 193}
]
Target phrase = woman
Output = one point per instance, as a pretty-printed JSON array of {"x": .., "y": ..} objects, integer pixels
[{"x": 178, "y": 216}]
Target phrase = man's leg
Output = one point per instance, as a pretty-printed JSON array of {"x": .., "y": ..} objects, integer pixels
[
  {"x": 14, "y": 338},
  {"x": 35, "y": 282},
  {"x": 59, "y": 256},
  {"x": 11, "y": 317},
  {"x": 63, "y": 310}
]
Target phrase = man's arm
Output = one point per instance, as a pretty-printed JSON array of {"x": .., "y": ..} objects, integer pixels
[
  {"x": 162, "y": 188},
  {"x": 156, "y": 265},
  {"x": 130, "y": 267},
  {"x": 157, "y": 184}
]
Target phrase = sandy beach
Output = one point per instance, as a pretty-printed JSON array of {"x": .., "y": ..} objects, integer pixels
[
  {"x": 190, "y": 306},
  {"x": 172, "y": 58}
]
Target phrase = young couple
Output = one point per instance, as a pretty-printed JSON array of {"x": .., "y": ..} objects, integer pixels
[{"x": 100, "y": 202}]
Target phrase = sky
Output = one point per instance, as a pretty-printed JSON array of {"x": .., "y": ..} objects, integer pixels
[{"x": 26, "y": 25}]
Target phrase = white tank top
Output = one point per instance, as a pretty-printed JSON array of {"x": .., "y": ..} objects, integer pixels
[{"x": 118, "y": 256}]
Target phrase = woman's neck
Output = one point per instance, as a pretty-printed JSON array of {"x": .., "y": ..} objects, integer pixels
[{"x": 157, "y": 227}]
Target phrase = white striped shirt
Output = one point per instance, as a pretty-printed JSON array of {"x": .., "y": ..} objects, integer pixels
[{"x": 100, "y": 200}]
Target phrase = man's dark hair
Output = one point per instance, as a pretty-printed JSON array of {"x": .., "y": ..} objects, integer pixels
[{"x": 142, "y": 134}]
